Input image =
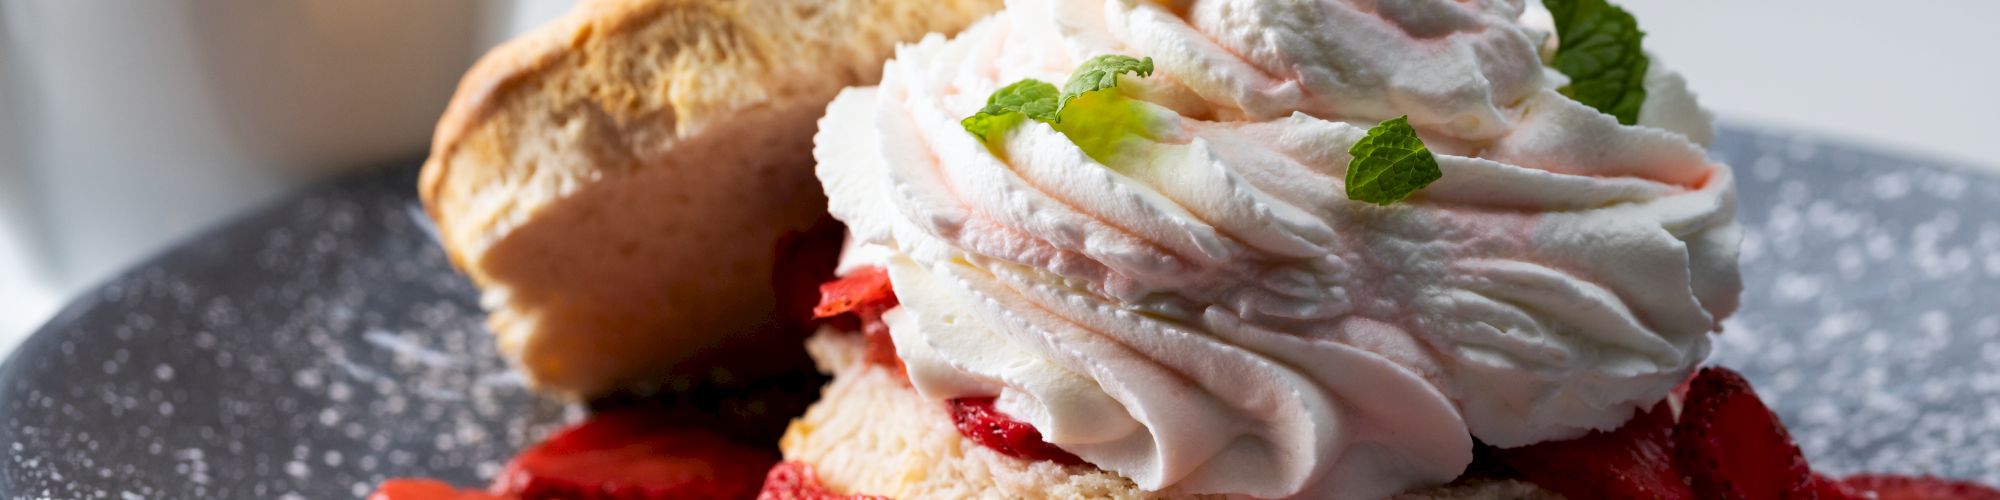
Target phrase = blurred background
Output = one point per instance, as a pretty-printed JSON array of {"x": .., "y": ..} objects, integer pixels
[{"x": 126, "y": 126}]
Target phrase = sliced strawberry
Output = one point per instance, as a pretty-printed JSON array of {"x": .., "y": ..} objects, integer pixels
[
  {"x": 1820, "y": 487},
  {"x": 1889, "y": 487},
  {"x": 428, "y": 489},
  {"x": 635, "y": 454},
  {"x": 977, "y": 419},
  {"x": 1732, "y": 446},
  {"x": 864, "y": 291},
  {"x": 793, "y": 480},
  {"x": 864, "y": 295},
  {"x": 1632, "y": 461}
]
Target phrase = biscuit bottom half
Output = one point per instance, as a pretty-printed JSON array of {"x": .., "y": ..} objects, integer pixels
[{"x": 871, "y": 434}]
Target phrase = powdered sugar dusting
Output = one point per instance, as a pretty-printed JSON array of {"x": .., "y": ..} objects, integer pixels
[
  {"x": 1867, "y": 306},
  {"x": 309, "y": 352}
]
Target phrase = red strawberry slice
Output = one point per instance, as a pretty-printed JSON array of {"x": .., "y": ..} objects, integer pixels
[
  {"x": 1731, "y": 446},
  {"x": 428, "y": 489},
  {"x": 1888, "y": 487},
  {"x": 864, "y": 291},
  {"x": 635, "y": 454},
  {"x": 864, "y": 294},
  {"x": 793, "y": 480},
  {"x": 1821, "y": 487},
  {"x": 977, "y": 419},
  {"x": 1632, "y": 461}
]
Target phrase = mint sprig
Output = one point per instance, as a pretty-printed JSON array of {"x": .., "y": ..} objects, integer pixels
[
  {"x": 1030, "y": 98},
  {"x": 1040, "y": 101},
  {"x": 1390, "y": 164},
  {"x": 1101, "y": 73},
  {"x": 1598, "y": 48}
]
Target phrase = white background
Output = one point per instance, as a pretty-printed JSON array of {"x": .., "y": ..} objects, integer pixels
[
  {"x": 104, "y": 89},
  {"x": 1917, "y": 76},
  {"x": 126, "y": 126}
]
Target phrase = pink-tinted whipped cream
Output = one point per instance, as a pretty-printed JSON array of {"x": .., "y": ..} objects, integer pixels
[{"x": 1204, "y": 310}]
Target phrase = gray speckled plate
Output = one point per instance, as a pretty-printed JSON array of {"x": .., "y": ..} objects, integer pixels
[
  {"x": 319, "y": 346},
  {"x": 310, "y": 349}
]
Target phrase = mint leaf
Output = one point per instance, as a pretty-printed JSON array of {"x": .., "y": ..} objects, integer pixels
[
  {"x": 1101, "y": 73},
  {"x": 1598, "y": 47},
  {"x": 1098, "y": 122},
  {"x": 1030, "y": 98},
  {"x": 1389, "y": 164}
]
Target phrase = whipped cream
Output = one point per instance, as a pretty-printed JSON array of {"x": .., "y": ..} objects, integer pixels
[{"x": 1205, "y": 311}]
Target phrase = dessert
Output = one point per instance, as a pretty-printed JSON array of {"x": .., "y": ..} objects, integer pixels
[
  {"x": 1171, "y": 249},
  {"x": 1170, "y": 280}
]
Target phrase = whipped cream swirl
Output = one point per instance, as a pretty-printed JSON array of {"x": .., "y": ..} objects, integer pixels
[{"x": 1203, "y": 310}]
